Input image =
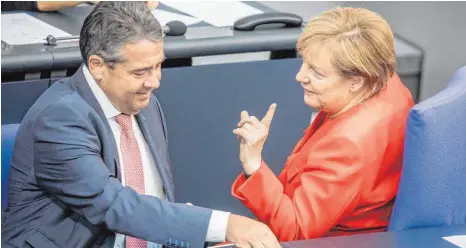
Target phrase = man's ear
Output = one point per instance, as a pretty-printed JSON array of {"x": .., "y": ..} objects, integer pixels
[
  {"x": 356, "y": 84},
  {"x": 96, "y": 66}
]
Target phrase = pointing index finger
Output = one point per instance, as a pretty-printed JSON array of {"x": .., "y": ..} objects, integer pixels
[{"x": 267, "y": 120}]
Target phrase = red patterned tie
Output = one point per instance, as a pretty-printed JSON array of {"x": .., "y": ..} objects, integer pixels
[{"x": 132, "y": 165}]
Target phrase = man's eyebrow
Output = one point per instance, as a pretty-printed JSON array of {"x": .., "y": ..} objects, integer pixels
[{"x": 147, "y": 68}]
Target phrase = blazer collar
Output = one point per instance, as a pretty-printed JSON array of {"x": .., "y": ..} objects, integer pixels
[{"x": 81, "y": 86}]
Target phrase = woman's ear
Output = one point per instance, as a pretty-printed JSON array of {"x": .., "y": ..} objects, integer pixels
[{"x": 356, "y": 83}]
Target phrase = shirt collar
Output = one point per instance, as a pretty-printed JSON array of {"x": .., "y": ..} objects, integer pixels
[{"x": 107, "y": 107}]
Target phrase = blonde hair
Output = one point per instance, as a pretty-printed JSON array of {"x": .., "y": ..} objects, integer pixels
[{"x": 364, "y": 44}]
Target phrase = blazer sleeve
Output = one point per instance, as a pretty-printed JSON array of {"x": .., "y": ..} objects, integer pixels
[
  {"x": 331, "y": 181},
  {"x": 68, "y": 165}
]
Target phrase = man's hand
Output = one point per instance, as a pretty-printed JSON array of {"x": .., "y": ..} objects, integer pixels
[{"x": 247, "y": 233}]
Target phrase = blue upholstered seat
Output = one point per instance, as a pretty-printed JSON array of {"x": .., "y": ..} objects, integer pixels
[{"x": 432, "y": 190}]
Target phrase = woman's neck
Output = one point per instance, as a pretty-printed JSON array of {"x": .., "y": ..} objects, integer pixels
[{"x": 355, "y": 101}]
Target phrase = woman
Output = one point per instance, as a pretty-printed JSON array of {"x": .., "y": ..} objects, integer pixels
[{"x": 342, "y": 176}]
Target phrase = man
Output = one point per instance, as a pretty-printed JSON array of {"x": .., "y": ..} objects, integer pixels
[{"x": 90, "y": 165}]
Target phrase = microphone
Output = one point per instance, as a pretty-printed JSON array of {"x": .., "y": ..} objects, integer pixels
[{"x": 173, "y": 28}]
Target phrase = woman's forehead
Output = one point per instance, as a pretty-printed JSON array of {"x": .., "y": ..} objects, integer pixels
[{"x": 319, "y": 54}]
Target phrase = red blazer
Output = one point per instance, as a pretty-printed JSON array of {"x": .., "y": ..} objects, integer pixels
[{"x": 341, "y": 177}]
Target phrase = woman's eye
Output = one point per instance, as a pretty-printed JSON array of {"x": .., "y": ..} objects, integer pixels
[{"x": 316, "y": 73}]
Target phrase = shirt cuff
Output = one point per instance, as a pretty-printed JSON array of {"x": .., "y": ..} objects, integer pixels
[{"x": 217, "y": 229}]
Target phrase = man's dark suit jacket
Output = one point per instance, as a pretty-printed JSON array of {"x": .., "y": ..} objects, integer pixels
[{"x": 64, "y": 189}]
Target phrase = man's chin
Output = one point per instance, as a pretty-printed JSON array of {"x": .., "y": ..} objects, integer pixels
[{"x": 140, "y": 107}]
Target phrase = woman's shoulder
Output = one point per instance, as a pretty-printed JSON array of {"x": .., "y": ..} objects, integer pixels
[
  {"x": 373, "y": 121},
  {"x": 384, "y": 113}
]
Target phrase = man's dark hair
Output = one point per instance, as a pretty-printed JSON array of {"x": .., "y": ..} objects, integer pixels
[{"x": 111, "y": 25}]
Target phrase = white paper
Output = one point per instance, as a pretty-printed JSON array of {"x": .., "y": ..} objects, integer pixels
[
  {"x": 21, "y": 28},
  {"x": 165, "y": 17},
  {"x": 219, "y": 14},
  {"x": 458, "y": 240}
]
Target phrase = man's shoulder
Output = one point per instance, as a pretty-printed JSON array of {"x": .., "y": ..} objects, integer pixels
[{"x": 60, "y": 99}]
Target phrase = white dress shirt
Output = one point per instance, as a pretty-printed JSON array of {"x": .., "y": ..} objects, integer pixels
[{"x": 152, "y": 181}]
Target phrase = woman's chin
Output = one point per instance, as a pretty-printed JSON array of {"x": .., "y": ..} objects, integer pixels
[{"x": 311, "y": 101}]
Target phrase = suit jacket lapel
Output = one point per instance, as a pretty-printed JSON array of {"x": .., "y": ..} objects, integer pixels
[
  {"x": 82, "y": 87},
  {"x": 310, "y": 131},
  {"x": 162, "y": 167}
]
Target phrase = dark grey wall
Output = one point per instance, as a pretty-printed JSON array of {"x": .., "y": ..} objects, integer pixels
[{"x": 439, "y": 28}]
